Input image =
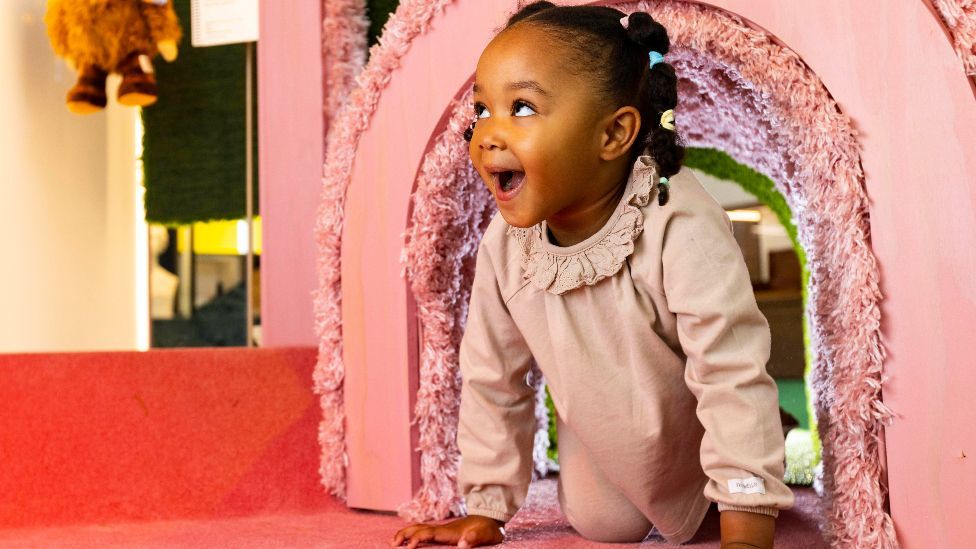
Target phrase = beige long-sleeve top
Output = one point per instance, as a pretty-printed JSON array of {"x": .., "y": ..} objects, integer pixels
[{"x": 654, "y": 351}]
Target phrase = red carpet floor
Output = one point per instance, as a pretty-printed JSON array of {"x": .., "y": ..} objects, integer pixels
[
  {"x": 538, "y": 524},
  {"x": 209, "y": 448}
]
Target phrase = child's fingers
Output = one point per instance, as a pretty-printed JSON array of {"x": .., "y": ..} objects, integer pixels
[
  {"x": 405, "y": 533},
  {"x": 432, "y": 533},
  {"x": 423, "y": 534}
]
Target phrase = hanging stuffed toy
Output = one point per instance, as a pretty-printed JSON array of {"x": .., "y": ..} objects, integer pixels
[{"x": 99, "y": 37}]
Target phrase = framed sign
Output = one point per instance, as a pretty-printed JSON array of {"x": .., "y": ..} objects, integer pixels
[{"x": 219, "y": 22}]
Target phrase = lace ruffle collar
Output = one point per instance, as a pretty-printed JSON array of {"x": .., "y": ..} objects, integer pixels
[{"x": 558, "y": 269}]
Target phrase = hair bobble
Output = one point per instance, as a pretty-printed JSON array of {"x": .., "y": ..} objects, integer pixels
[
  {"x": 655, "y": 58},
  {"x": 667, "y": 119}
]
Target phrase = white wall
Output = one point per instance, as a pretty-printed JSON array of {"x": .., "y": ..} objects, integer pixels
[
  {"x": 68, "y": 215},
  {"x": 772, "y": 235}
]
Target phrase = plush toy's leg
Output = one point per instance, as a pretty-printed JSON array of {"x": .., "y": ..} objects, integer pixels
[
  {"x": 138, "y": 87},
  {"x": 88, "y": 94}
]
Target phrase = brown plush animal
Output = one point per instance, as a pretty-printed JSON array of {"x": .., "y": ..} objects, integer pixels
[{"x": 100, "y": 37}]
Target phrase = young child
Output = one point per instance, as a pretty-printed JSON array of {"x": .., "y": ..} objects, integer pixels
[{"x": 611, "y": 267}]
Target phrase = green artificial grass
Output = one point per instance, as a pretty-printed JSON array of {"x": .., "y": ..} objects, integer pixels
[
  {"x": 553, "y": 451},
  {"x": 194, "y": 141},
  {"x": 793, "y": 399}
]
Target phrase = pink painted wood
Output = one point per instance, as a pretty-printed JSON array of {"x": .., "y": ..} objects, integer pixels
[
  {"x": 290, "y": 150},
  {"x": 893, "y": 70},
  {"x": 379, "y": 325}
]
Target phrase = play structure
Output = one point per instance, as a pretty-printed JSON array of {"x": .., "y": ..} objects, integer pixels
[
  {"x": 809, "y": 105},
  {"x": 862, "y": 113}
]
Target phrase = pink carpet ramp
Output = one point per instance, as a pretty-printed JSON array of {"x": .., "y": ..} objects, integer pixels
[
  {"x": 755, "y": 96},
  {"x": 538, "y": 525},
  {"x": 90, "y": 438}
]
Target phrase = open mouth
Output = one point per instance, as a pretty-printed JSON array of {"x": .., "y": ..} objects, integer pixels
[{"x": 509, "y": 180}]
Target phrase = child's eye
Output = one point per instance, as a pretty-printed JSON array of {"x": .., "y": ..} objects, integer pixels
[
  {"x": 481, "y": 111},
  {"x": 521, "y": 108}
]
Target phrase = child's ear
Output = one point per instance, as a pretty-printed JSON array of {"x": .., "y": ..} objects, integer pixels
[{"x": 620, "y": 131}]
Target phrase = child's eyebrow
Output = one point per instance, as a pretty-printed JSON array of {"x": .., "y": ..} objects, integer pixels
[{"x": 521, "y": 85}]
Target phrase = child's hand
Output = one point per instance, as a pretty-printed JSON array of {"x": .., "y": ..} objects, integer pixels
[{"x": 470, "y": 531}]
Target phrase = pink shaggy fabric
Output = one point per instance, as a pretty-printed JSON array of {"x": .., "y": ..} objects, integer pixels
[
  {"x": 410, "y": 20},
  {"x": 960, "y": 18},
  {"x": 344, "y": 26},
  {"x": 741, "y": 92}
]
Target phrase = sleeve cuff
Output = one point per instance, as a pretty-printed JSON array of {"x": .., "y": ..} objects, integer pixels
[
  {"x": 490, "y": 513},
  {"x": 770, "y": 511}
]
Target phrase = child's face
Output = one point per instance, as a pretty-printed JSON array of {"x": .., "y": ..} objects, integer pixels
[{"x": 539, "y": 129}]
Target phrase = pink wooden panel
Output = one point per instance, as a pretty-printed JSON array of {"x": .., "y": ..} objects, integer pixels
[
  {"x": 290, "y": 152},
  {"x": 892, "y": 69},
  {"x": 379, "y": 335}
]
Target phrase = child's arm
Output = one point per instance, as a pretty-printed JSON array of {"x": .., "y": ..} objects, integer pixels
[
  {"x": 496, "y": 423},
  {"x": 496, "y": 427},
  {"x": 727, "y": 343}
]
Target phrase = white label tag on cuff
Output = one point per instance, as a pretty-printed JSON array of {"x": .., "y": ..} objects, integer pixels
[{"x": 751, "y": 485}]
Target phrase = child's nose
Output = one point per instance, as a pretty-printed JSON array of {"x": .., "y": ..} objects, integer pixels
[
  {"x": 491, "y": 137},
  {"x": 491, "y": 141}
]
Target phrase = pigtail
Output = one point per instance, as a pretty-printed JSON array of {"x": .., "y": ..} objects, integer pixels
[
  {"x": 643, "y": 30},
  {"x": 659, "y": 90}
]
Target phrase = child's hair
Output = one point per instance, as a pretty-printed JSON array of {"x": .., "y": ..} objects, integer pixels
[{"x": 616, "y": 60}]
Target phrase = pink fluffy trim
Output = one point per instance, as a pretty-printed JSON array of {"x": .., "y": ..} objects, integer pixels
[{"x": 344, "y": 27}]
